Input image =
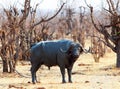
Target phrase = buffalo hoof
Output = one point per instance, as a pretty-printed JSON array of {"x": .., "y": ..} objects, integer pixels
[
  {"x": 63, "y": 81},
  {"x": 38, "y": 82},
  {"x": 70, "y": 81},
  {"x": 33, "y": 82}
]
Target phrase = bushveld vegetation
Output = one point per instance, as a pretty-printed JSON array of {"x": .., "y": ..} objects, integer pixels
[{"x": 20, "y": 28}]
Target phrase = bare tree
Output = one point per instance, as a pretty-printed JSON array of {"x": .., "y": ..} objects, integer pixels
[
  {"x": 111, "y": 30},
  {"x": 12, "y": 36},
  {"x": 97, "y": 47}
]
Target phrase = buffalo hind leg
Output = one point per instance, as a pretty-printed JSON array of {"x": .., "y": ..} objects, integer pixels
[
  {"x": 34, "y": 69},
  {"x": 35, "y": 73},
  {"x": 69, "y": 75},
  {"x": 62, "y": 69}
]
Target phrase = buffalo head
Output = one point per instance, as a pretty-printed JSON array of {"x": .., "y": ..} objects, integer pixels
[{"x": 73, "y": 50}]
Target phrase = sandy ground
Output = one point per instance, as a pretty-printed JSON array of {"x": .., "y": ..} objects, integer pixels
[{"x": 86, "y": 74}]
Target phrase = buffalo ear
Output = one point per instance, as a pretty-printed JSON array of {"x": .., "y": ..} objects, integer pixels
[{"x": 81, "y": 49}]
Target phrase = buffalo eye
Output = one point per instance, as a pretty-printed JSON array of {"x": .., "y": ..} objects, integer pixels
[{"x": 69, "y": 52}]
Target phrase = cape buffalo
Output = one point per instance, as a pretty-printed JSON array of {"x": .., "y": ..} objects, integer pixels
[{"x": 62, "y": 53}]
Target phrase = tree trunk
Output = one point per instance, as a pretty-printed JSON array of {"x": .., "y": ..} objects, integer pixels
[
  {"x": 5, "y": 66},
  {"x": 118, "y": 54},
  {"x": 118, "y": 60},
  {"x": 11, "y": 66}
]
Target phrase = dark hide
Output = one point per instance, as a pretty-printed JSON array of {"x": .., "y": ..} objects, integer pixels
[{"x": 62, "y": 53}]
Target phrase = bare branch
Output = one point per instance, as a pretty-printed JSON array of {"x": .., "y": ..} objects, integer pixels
[
  {"x": 91, "y": 10},
  {"x": 112, "y": 5},
  {"x": 112, "y": 8},
  {"x": 46, "y": 20},
  {"x": 109, "y": 44},
  {"x": 106, "y": 42},
  {"x": 117, "y": 5},
  {"x": 25, "y": 11},
  {"x": 109, "y": 11},
  {"x": 110, "y": 25},
  {"x": 87, "y": 4}
]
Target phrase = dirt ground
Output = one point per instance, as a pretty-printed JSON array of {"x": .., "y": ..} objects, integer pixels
[{"x": 86, "y": 74}]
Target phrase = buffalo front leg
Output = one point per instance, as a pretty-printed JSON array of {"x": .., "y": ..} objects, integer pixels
[
  {"x": 69, "y": 75},
  {"x": 33, "y": 77},
  {"x": 62, "y": 69}
]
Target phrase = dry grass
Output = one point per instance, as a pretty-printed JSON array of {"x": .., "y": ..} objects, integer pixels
[{"x": 86, "y": 74}]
